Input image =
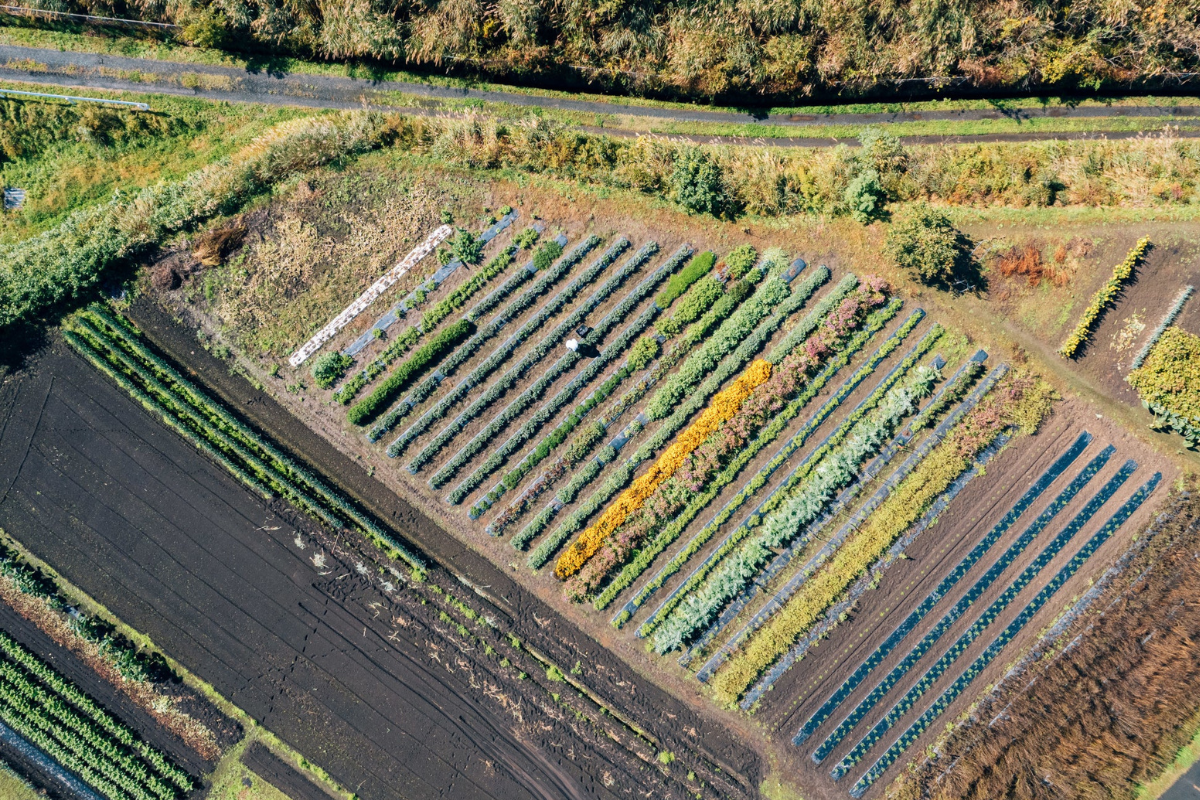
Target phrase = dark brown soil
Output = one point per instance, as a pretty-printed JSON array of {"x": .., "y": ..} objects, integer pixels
[
  {"x": 280, "y": 774},
  {"x": 132, "y": 515}
]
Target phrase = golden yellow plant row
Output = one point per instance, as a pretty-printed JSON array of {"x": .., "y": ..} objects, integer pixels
[{"x": 722, "y": 408}]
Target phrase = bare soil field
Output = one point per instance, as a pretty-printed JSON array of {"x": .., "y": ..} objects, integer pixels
[{"x": 136, "y": 518}]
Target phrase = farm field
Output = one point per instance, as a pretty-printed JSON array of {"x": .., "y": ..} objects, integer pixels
[{"x": 473, "y": 450}]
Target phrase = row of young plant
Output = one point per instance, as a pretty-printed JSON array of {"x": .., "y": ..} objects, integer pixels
[
  {"x": 875, "y": 322},
  {"x": 113, "y": 346},
  {"x": 732, "y": 335},
  {"x": 728, "y": 575},
  {"x": 428, "y": 354},
  {"x": 1022, "y": 580},
  {"x": 555, "y": 269},
  {"x": 506, "y": 349},
  {"x": 1011, "y": 517},
  {"x": 500, "y": 455},
  {"x": 565, "y": 363},
  {"x": 42, "y": 705},
  {"x": 952, "y": 692},
  {"x": 976, "y": 591},
  {"x": 411, "y": 335},
  {"x": 1104, "y": 295},
  {"x": 993, "y": 611},
  {"x": 720, "y": 459},
  {"x": 1018, "y": 401},
  {"x": 703, "y": 308},
  {"x": 815, "y": 528}
]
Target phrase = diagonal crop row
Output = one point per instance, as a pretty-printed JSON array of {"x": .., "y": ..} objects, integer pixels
[
  {"x": 947, "y": 583},
  {"x": 874, "y": 324},
  {"x": 501, "y": 353},
  {"x": 854, "y": 441},
  {"x": 814, "y": 529},
  {"x": 1026, "y": 577},
  {"x": 696, "y": 333},
  {"x": 1006, "y": 636},
  {"x": 551, "y": 274},
  {"x": 73, "y": 729},
  {"x": 730, "y": 331},
  {"x": 110, "y": 346},
  {"x": 954, "y": 614},
  {"x": 567, "y": 361}
]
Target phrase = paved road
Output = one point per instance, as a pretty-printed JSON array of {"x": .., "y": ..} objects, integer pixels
[{"x": 236, "y": 84}]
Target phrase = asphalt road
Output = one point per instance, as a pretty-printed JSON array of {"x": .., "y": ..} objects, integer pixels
[{"x": 264, "y": 84}]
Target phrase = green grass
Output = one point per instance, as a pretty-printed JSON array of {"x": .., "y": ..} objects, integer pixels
[
  {"x": 14, "y": 787},
  {"x": 73, "y": 173}
]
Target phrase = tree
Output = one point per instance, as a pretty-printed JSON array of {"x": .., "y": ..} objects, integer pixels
[
  {"x": 923, "y": 241},
  {"x": 696, "y": 182}
]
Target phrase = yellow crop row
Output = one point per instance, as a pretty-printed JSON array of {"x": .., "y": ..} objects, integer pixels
[
  {"x": 722, "y": 408},
  {"x": 1103, "y": 297}
]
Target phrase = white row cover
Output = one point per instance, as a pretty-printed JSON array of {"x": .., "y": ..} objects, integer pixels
[{"x": 370, "y": 295}]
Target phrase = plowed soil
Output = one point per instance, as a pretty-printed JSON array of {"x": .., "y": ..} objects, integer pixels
[{"x": 139, "y": 520}]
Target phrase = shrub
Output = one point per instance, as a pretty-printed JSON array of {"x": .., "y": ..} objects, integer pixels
[
  {"x": 680, "y": 281},
  {"x": 696, "y": 182},
  {"x": 369, "y": 407},
  {"x": 645, "y": 350},
  {"x": 328, "y": 368},
  {"x": 546, "y": 255},
  {"x": 923, "y": 241},
  {"x": 864, "y": 196},
  {"x": 467, "y": 247},
  {"x": 740, "y": 260},
  {"x": 526, "y": 239}
]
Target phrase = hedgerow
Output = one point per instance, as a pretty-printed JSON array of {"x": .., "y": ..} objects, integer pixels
[
  {"x": 1104, "y": 295},
  {"x": 427, "y": 354}
]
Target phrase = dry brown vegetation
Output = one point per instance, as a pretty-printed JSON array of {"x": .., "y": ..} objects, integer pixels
[{"x": 1110, "y": 711}]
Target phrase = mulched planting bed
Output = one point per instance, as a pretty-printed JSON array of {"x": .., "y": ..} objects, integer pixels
[{"x": 135, "y": 517}]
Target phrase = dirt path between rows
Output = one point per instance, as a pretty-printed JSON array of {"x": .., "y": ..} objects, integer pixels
[{"x": 273, "y": 87}]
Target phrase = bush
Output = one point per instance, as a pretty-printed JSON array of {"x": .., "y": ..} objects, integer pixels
[
  {"x": 740, "y": 260},
  {"x": 923, "y": 241},
  {"x": 467, "y": 247},
  {"x": 328, "y": 368},
  {"x": 864, "y": 196},
  {"x": 546, "y": 255},
  {"x": 645, "y": 350},
  {"x": 680, "y": 281},
  {"x": 526, "y": 239},
  {"x": 1169, "y": 382},
  {"x": 696, "y": 182}
]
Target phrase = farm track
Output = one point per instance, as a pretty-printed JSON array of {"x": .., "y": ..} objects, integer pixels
[
  {"x": 194, "y": 567},
  {"x": 94, "y": 71},
  {"x": 669, "y": 721}
]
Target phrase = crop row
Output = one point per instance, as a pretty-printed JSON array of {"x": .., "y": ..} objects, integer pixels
[
  {"x": 506, "y": 349},
  {"x": 943, "y": 588},
  {"x": 1019, "y": 402},
  {"x": 112, "y": 348},
  {"x": 35, "y": 698},
  {"x": 839, "y": 611},
  {"x": 696, "y": 400},
  {"x": 1104, "y": 295},
  {"x": 841, "y": 358},
  {"x": 1169, "y": 317},
  {"x": 551, "y": 274},
  {"x": 815, "y": 528},
  {"x": 1018, "y": 584},
  {"x": 964, "y": 604},
  {"x": 480, "y": 278},
  {"x": 782, "y": 492},
  {"x": 565, "y": 363},
  {"x": 764, "y": 414},
  {"x": 703, "y": 457},
  {"x": 725, "y": 304},
  {"x": 350, "y": 388},
  {"x": 841, "y": 456},
  {"x": 713, "y": 309},
  {"x": 532, "y": 425},
  {"x": 952, "y": 692},
  {"x": 427, "y": 354},
  {"x": 681, "y": 281}
]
